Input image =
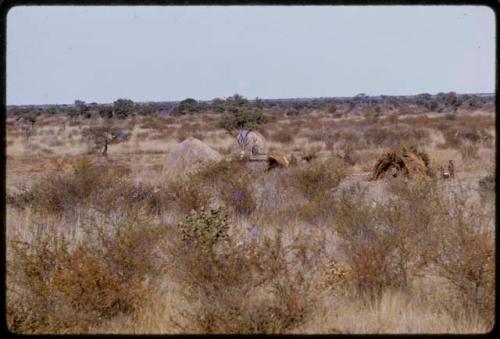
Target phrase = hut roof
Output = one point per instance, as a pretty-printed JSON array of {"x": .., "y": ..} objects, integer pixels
[{"x": 187, "y": 157}]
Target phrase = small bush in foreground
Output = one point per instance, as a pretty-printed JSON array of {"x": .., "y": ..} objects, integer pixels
[
  {"x": 63, "y": 286},
  {"x": 257, "y": 287},
  {"x": 421, "y": 229}
]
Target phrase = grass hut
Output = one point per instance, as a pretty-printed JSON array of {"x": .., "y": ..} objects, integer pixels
[{"x": 187, "y": 157}]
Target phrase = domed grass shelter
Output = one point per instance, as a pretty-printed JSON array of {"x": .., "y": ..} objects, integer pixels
[{"x": 188, "y": 157}]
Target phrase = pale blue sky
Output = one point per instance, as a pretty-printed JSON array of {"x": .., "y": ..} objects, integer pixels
[{"x": 59, "y": 54}]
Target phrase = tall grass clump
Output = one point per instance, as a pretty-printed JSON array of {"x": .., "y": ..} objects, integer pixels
[
  {"x": 283, "y": 135},
  {"x": 464, "y": 253},
  {"x": 62, "y": 285},
  {"x": 316, "y": 180},
  {"x": 189, "y": 195},
  {"x": 420, "y": 229},
  {"x": 104, "y": 187},
  {"x": 487, "y": 186}
]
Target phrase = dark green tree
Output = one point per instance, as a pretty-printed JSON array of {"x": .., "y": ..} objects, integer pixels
[
  {"x": 237, "y": 118},
  {"x": 122, "y": 108},
  {"x": 187, "y": 106},
  {"x": 236, "y": 100},
  {"x": 217, "y": 105}
]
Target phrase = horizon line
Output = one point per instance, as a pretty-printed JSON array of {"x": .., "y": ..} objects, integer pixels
[{"x": 257, "y": 97}]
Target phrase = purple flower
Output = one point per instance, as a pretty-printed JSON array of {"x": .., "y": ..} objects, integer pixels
[
  {"x": 120, "y": 199},
  {"x": 184, "y": 145},
  {"x": 113, "y": 241},
  {"x": 393, "y": 141},
  {"x": 237, "y": 195},
  {"x": 121, "y": 136},
  {"x": 137, "y": 180},
  {"x": 253, "y": 232}
]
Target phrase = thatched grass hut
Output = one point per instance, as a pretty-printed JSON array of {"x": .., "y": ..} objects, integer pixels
[
  {"x": 406, "y": 161},
  {"x": 187, "y": 157}
]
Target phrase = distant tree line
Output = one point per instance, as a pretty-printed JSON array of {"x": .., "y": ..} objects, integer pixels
[{"x": 123, "y": 108}]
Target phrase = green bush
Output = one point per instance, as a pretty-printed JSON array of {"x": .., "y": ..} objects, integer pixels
[
  {"x": 241, "y": 118},
  {"x": 187, "y": 106},
  {"x": 205, "y": 228}
]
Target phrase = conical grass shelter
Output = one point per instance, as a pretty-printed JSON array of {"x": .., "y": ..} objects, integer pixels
[{"x": 188, "y": 157}]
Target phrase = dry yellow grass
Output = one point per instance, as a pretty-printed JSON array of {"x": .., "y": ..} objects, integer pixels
[{"x": 423, "y": 310}]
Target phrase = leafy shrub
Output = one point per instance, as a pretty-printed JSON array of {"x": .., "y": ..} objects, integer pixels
[
  {"x": 241, "y": 118},
  {"x": 62, "y": 286},
  {"x": 205, "y": 228},
  {"x": 122, "y": 108},
  {"x": 187, "y": 106},
  {"x": 256, "y": 287}
]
